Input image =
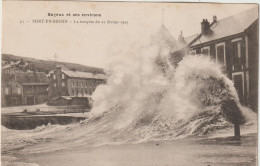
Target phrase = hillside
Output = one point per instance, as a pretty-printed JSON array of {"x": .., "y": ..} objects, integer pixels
[{"x": 46, "y": 66}]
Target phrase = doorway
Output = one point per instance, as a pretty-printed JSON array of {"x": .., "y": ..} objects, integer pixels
[{"x": 238, "y": 79}]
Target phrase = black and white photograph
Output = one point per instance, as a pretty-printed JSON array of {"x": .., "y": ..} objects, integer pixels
[{"x": 88, "y": 83}]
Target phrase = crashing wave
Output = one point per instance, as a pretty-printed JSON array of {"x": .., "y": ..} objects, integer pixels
[{"x": 146, "y": 99}]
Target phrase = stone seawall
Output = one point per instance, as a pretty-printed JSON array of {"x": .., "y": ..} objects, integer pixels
[{"x": 27, "y": 122}]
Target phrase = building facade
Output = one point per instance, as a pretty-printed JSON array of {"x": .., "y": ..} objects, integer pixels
[
  {"x": 73, "y": 83},
  {"x": 24, "y": 88},
  {"x": 233, "y": 42}
]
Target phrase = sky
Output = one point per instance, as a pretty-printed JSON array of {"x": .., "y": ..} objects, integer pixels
[{"x": 91, "y": 44}]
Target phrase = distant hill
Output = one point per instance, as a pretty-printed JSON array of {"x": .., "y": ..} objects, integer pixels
[{"x": 46, "y": 66}]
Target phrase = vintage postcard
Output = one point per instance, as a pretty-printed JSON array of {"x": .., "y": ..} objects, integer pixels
[{"x": 129, "y": 83}]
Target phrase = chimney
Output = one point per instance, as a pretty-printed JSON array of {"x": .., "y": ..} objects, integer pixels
[
  {"x": 204, "y": 26},
  {"x": 214, "y": 19},
  {"x": 73, "y": 69},
  {"x": 58, "y": 68}
]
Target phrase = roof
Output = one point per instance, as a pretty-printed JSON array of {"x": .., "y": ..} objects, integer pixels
[
  {"x": 31, "y": 78},
  {"x": 50, "y": 73},
  {"x": 64, "y": 97},
  {"x": 79, "y": 74},
  {"x": 230, "y": 26},
  {"x": 7, "y": 62},
  {"x": 21, "y": 64},
  {"x": 7, "y": 66},
  {"x": 190, "y": 38},
  {"x": 165, "y": 39},
  {"x": 17, "y": 64}
]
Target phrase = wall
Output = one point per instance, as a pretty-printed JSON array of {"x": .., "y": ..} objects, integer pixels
[
  {"x": 59, "y": 90},
  {"x": 13, "y": 97},
  {"x": 249, "y": 98},
  {"x": 82, "y": 86},
  {"x": 35, "y": 94},
  {"x": 253, "y": 65}
]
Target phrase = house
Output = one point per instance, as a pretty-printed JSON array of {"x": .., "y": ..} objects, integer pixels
[
  {"x": 24, "y": 88},
  {"x": 9, "y": 67},
  {"x": 73, "y": 83},
  {"x": 21, "y": 64},
  {"x": 233, "y": 42}
]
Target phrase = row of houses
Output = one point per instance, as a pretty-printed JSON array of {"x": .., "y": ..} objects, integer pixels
[
  {"x": 27, "y": 87},
  {"x": 233, "y": 42}
]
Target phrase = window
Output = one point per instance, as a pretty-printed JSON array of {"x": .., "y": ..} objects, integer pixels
[
  {"x": 54, "y": 84},
  {"x": 54, "y": 76},
  {"x": 220, "y": 53},
  {"x": 62, "y": 76},
  {"x": 75, "y": 84},
  {"x": 236, "y": 49},
  {"x": 7, "y": 91},
  {"x": 81, "y": 85},
  {"x": 19, "y": 90},
  {"x": 192, "y": 52},
  {"x": 205, "y": 51},
  {"x": 29, "y": 89},
  {"x": 63, "y": 84}
]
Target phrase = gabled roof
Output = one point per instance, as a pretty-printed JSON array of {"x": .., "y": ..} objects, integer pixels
[
  {"x": 230, "y": 26},
  {"x": 79, "y": 74},
  {"x": 190, "y": 38},
  {"x": 165, "y": 39},
  {"x": 31, "y": 78},
  {"x": 17, "y": 62}
]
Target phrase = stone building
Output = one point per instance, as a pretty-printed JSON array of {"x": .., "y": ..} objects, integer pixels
[
  {"x": 24, "y": 88},
  {"x": 233, "y": 42},
  {"x": 73, "y": 83}
]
